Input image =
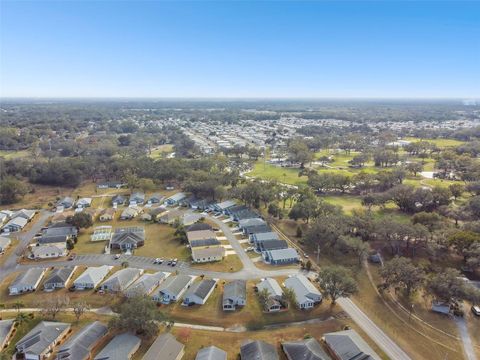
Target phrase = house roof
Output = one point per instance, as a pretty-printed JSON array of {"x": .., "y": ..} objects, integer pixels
[
  {"x": 258, "y": 350},
  {"x": 24, "y": 213},
  {"x": 66, "y": 201},
  {"x": 41, "y": 337},
  {"x": 93, "y": 275},
  {"x": 60, "y": 229},
  {"x": 211, "y": 353},
  {"x": 348, "y": 345},
  {"x": 84, "y": 201},
  {"x": 45, "y": 250},
  {"x": 201, "y": 288},
  {"x": 4, "y": 242},
  {"x": 109, "y": 211},
  {"x": 128, "y": 235},
  {"x": 200, "y": 235},
  {"x": 16, "y": 222},
  {"x": 129, "y": 211},
  {"x": 144, "y": 284},
  {"x": 5, "y": 329},
  {"x": 165, "y": 347},
  {"x": 120, "y": 347},
  {"x": 119, "y": 199},
  {"x": 208, "y": 252},
  {"x": 273, "y": 244},
  {"x": 204, "y": 242},
  {"x": 79, "y": 345},
  {"x": 177, "y": 197},
  {"x": 59, "y": 275},
  {"x": 257, "y": 229},
  {"x": 282, "y": 254},
  {"x": 199, "y": 226},
  {"x": 233, "y": 290},
  {"x": 302, "y": 287},
  {"x": 157, "y": 197},
  {"x": 245, "y": 214},
  {"x": 272, "y": 287},
  {"x": 29, "y": 277},
  {"x": 175, "y": 284},
  {"x": 121, "y": 279},
  {"x": 137, "y": 196},
  {"x": 251, "y": 222},
  {"x": 225, "y": 204},
  {"x": 157, "y": 210},
  {"x": 309, "y": 349},
  {"x": 265, "y": 236}
]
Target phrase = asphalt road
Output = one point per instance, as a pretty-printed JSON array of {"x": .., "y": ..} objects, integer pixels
[
  {"x": 388, "y": 346},
  {"x": 468, "y": 349}
]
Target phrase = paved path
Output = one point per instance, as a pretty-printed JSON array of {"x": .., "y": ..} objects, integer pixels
[
  {"x": 468, "y": 349},
  {"x": 388, "y": 346}
]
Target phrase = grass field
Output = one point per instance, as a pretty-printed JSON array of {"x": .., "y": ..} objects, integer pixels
[
  {"x": 9, "y": 155},
  {"x": 230, "y": 263},
  {"x": 441, "y": 143},
  {"x": 271, "y": 172},
  {"x": 161, "y": 151}
]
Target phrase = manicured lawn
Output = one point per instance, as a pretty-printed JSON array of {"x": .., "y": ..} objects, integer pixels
[
  {"x": 230, "y": 263},
  {"x": 347, "y": 202},
  {"x": 161, "y": 151},
  {"x": 271, "y": 172},
  {"x": 441, "y": 143}
]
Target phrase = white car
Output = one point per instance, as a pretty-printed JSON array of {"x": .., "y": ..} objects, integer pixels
[
  {"x": 476, "y": 309},
  {"x": 158, "y": 261}
]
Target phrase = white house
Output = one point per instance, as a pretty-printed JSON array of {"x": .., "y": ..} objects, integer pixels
[
  {"x": 199, "y": 292},
  {"x": 27, "y": 281},
  {"x": 121, "y": 279},
  {"x": 172, "y": 289},
  {"x": 234, "y": 294},
  {"x": 48, "y": 251},
  {"x": 306, "y": 294},
  {"x": 91, "y": 277}
]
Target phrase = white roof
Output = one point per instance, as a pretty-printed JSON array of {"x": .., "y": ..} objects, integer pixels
[
  {"x": 272, "y": 287},
  {"x": 93, "y": 275}
]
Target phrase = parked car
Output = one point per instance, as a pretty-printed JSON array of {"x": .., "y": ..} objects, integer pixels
[
  {"x": 158, "y": 261},
  {"x": 476, "y": 310},
  {"x": 116, "y": 257},
  {"x": 169, "y": 262}
]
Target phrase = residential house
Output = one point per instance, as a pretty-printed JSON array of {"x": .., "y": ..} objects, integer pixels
[
  {"x": 258, "y": 350},
  {"x": 24, "y": 213},
  {"x": 175, "y": 199},
  {"x": 165, "y": 347},
  {"x": 128, "y": 238},
  {"x": 14, "y": 225},
  {"x": 306, "y": 294},
  {"x": 274, "y": 301},
  {"x": 121, "y": 347},
  {"x": 48, "y": 251},
  {"x": 102, "y": 233},
  {"x": 3, "y": 217},
  {"x": 65, "y": 203},
  {"x": 242, "y": 224},
  {"x": 121, "y": 280},
  {"x": 268, "y": 245},
  {"x": 58, "y": 233},
  {"x": 157, "y": 212},
  {"x": 27, "y": 281},
  {"x": 256, "y": 229},
  {"x": 199, "y": 292},
  {"x": 130, "y": 212},
  {"x": 307, "y": 349},
  {"x": 234, "y": 294},
  {"x": 206, "y": 237},
  {"x": 137, "y": 198},
  {"x": 107, "y": 215},
  {"x": 257, "y": 238},
  {"x": 59, "y": 278},
  {"x": 39, "y": 342},
  {"x": 155, "y": 199},
  {"x": 211, "y": 353},
  {"x": 119, "y": 200},
  {"x": 281, "y": 256},
  {"x": 146, "y": 217},
  {"x": 61, "y": 217},
  {"x": 200, "y": 204},
  {"x": 170, "y": 216},
  {"x": 224, "y": 205},
  {"x": 190, "y": 218},
  {"x": 242, "y": 214},
  {"x": 199, "y": 226},
  {"x": 79, "y": 346},
  {"x": 5, "y": 242},
  {"x": 347, "y": 344},
  {"x": 207, "y": 254},
  {"x": 7, "y": 328},
  {"x": 91, "y": 277},
  {"x": 172, "y": 289},
  {"x": 111, "y": 185},
  {"x": 145, "y": 284},
  {"x": 83, "y": 203}
]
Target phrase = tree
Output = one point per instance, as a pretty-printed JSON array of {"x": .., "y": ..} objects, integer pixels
[
  {"x": 450, "y": 286},
  {"x": 81, "y": 220},
  {"x": 414, "y": 168},
  {"x": 139, "y": 315},
  {"x": 11, "y": 190},
  {"x": 54, "y": 304},
  {"x": 80, "y": 308},
  {"x": 299, "y": 153},
  {"x": 337, "y": 282},
  {"x": 18, "y": 305},
  {"x": 308, "y": 265},
  {"x": 430, "y": 220},
  {"x": 263, "y": 296},
  {"x": 463, "y": 242},
  {"x": 289, "y": 297},
  {"x": 299, "y": 232},
  {"x": 400, "y": 272},
  {"x": 456, "y": 190},
  {"x": 359, "y": 247}
]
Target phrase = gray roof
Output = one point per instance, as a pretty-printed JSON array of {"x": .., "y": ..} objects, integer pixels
[
  {"x": 144, "y": 283},
  {"x": 257, "y": 229},
  {"x": 302, "y": 287},
  {"x": 4, "y": 242},
  {"x": 5, "y": 328},
  {"x": 121, "y": 347},
  {"x": 258, "y": 350},
  {"x": 132, "y": 234},
  {"x": 41, "y": 337},
  {"x": 273, "y": 245},
  {"x": 165, "y": 347},
  {"x": 60, "y": 229},
  {"x": 208, "y": 252},
  {"x": 201, "y": 288},
  {"x": 266, "y": 236},
  {"x": 66, "y": 202},
  {"x": 199, "y": 226},
  {"x": 272, "y": 287},
  {"x": 251, "y": 222},
  {"x": 28, "y": 278},
  {"x": 175, "y": 284},
  {"x": 349, "y": 345},
  {"x": 308, "y": 349},
  {"x": 121, "y": 279},
  {"x": 204, "y": 242},
  {"x": 211, "y": 353},
  {"x": 59, "y": 275},
  {"x": 225, "y": 204},
  {"x": 282, "y": 254},
  {"x": 93, "y": 274},
  {"x": 137, "y": 196},
  {"x": 79, "y": 345},
  {"x": 234, "y": 289},
  {"x": 119, "y": 199},
  {"x": 177, "y": 197}
]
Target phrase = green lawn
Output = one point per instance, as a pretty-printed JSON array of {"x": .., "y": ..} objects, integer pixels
[
  {"x": 14, "y": 154},
  {"x": 347, "y": 202},
  {"x": 441, "y": 143},
  {"x": 161, "y": 151},
  {"x": 271, "y": 172}
]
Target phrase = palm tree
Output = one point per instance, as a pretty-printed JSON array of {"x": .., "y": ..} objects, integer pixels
[
  {"x": 21, "y": 318},
  {"x": 18, "y": 305},
  {"x": 289, "y": 297}
]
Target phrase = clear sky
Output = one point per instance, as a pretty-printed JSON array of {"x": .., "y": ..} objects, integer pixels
[{"x": 240, "y": 49}]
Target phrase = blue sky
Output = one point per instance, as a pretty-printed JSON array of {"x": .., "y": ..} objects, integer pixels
[{"x": 239, "y": 49}]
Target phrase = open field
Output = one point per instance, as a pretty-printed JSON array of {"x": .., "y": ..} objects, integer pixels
[
  {"x": 161, "y": 151},
  {"x": 9, "y": 155},
  {"x": 271, "y": 172},
  {"x": 441, "y": 143},
  {"x": 230, "y": 263}
]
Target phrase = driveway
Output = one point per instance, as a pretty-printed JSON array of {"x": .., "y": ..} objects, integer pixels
[{"x": 468, "y": 349}]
